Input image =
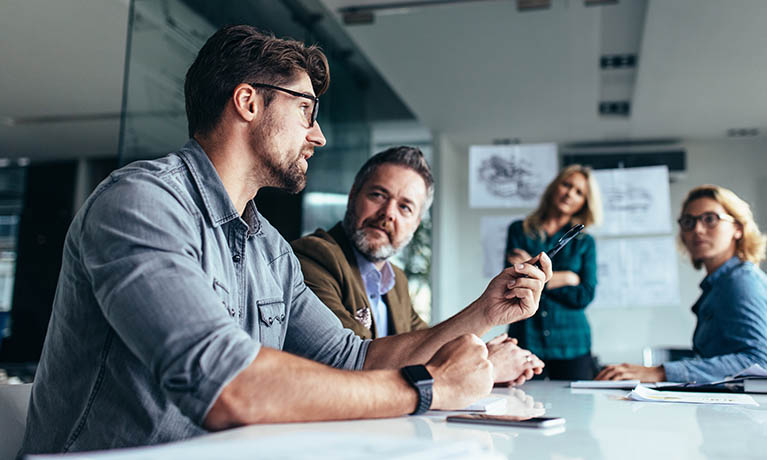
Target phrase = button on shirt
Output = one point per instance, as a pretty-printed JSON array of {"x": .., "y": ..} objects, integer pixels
[
  {"x": 166, "y": 293},
  {"x": 731, "y": 333},
  {"x": 377, "y": 284}
]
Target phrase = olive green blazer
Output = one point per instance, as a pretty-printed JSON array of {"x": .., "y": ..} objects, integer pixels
[{"x": 330, "y": 270}]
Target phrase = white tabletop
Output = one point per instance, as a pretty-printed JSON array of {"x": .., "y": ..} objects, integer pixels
[{"x": 601, "y": 424}]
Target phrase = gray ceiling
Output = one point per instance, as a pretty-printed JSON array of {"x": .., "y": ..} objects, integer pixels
[
  {"x": 61, "y": 77},
  {"x": 476, "y": 72},
  {"x": 483, "y": 70}
]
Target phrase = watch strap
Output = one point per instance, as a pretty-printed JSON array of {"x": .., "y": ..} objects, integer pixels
[{"x": 424, "y": 389}]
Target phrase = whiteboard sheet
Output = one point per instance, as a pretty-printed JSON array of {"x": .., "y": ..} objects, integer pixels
[
  {"x": 636, "y": 272},
  {"x": 636, "y": 201},
  {"x": 510, "y": 176},
  {"x": 493, "y": 231}
]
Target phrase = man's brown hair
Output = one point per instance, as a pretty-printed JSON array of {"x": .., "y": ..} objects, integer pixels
[{"x": 243, "y": 54}]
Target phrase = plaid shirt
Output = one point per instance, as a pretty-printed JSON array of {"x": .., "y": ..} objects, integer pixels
[{"x": 559, "y": 329}]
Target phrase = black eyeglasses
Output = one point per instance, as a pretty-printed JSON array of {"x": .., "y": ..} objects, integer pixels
[
  {"x": 709, "y": 219},
  {"x": 315, "y": 99}
]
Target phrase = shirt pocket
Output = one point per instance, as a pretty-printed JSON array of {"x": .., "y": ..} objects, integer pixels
[
  {"x": 272, "y": 320},
  {"x": 223, "y": 294}
]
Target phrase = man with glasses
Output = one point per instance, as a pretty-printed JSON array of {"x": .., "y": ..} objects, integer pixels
[{"x": 180, "y": 309}]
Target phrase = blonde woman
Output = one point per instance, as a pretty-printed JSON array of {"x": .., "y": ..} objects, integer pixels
[
  {"x": 559, "y": 333},
  {"x": 717, "y": 230}
]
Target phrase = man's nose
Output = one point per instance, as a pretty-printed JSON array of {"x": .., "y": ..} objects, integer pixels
[
  {"x": 388, "y": 210},
  {"x": 315, "y": 136}
]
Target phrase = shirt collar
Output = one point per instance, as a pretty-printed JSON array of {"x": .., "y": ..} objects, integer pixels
[
  {"x": 218, "y": 206},
  {"x": 723, "y": 270},
  {"x": 374, "y": 280}
]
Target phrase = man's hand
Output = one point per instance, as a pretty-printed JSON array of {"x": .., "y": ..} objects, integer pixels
[
  {"x": 513, "y": 295},
  {"x": 512, "y": 364},
  {"x": 632, "y": 372},
  {"x": 462, "y": 373}
]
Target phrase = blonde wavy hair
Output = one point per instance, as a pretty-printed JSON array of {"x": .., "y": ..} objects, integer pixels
[
  {"x": 589, "y": 214},
  {"x": 752, "y": 245}
]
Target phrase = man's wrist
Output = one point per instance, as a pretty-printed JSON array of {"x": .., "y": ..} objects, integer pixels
[{"x": 661, "y": 373}]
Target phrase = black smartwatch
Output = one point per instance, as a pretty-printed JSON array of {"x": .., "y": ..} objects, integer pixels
[{"x": 422, "y": 381}]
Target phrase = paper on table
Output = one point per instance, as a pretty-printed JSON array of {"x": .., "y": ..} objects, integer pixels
[
  {"x": 605, "y": 384},
  {"x": 490, "y": 404},
  {"x": 300, "y": 445},
  {"x": 642, "y": 393},
  {"x": 751, "y": 371}
]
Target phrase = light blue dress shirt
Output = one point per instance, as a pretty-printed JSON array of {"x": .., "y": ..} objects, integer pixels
[
  {"x": 377, "y": 284},
  {"x": 731, "y": 333}
]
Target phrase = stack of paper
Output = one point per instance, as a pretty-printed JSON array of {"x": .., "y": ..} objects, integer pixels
[{"x": 642, "y": 393}]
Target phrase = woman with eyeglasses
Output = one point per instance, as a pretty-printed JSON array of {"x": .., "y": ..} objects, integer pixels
[
  {"x": 718, "y": 231},
  {"x": 559, "y": 332}
]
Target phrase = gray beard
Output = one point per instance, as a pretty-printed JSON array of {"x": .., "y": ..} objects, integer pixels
[{"x": 361, "y": 243}]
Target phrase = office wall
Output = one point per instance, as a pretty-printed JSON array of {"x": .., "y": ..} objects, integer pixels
[{"x": 618, "y": 334}]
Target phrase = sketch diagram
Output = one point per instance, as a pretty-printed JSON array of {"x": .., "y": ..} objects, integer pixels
[
  {"x": 627, "y": 198},
  {"x": 505, "y": 178},
  {"x": 510, "y": 176},
  {"x": 624, "y": 280},
  {"x": 635, "y": 201}
]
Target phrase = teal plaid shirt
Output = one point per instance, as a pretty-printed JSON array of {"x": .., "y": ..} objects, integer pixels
[{"x": 559, "y": 329}]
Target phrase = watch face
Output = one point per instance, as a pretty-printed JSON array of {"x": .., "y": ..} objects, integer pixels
[{"x": 418, "y": 375}]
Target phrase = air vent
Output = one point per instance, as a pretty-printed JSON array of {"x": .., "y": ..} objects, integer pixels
[
  {"x": 742, "y": 132},
  {"x": 599, "y": 2},
  {"x": 618, "y": 61},
  {"x": 356, "y": 17},
  {"x": 527, "y": 5},
  {"x": 615, "y": 108}
]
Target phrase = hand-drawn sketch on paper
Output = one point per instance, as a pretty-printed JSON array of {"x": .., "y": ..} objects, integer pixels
[
  {"x": 635, "y": 201},
  {"x": 493, "y": 231},
  {"x": 510, "y": 176},
  {"x": 625, "y": 279}
]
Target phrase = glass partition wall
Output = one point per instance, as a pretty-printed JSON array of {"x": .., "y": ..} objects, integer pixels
[{"x": 163, "y": 39}]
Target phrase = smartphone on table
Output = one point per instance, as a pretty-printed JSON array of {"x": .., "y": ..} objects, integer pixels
[{"x": 508, "y": 420}]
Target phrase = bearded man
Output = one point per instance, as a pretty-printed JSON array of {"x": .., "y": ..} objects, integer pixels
[{"x": 348, "y": 266}]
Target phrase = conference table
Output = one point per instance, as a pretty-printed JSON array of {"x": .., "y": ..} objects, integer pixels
[{"x": 600, "y": 424}]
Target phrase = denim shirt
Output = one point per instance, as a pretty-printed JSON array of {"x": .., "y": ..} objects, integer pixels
[
  {"x": 377, "y": 284},
  {"x": 731, "y": 333},
  {"x": 165, "y": 294}
]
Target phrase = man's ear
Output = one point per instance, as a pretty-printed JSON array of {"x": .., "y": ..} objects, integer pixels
[{"x": 247, "y": 102}]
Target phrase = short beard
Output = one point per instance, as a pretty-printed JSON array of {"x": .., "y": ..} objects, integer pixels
[
  {"x": 360, "y": 241},
  {"x": 289, "y": 178}
]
